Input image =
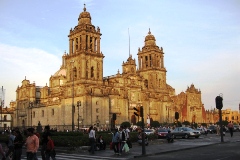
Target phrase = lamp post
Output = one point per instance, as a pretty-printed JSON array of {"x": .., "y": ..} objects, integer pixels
[
  {"x": 78, "y": 105},
  {"x": 30, "y": 106},
  {"x": 72, "y": 61}
]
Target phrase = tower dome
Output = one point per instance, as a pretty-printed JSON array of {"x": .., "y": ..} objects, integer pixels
[
  {"x": 150, "y": 39},
  {"x": 84, "y": 17}
]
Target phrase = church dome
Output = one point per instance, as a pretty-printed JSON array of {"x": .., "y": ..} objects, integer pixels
[
  {"x": 84, "y": 17},
  {"x": 60, "y": 72},
  {"x": 150, "y": 39}
]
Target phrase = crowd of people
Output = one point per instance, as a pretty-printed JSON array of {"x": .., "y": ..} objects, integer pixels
[
  {"x": 120, "y": 140},
  {"x": 16, "y": 142}
]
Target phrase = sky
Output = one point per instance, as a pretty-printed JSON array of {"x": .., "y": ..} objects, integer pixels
[{"x": 200, "y": 39}]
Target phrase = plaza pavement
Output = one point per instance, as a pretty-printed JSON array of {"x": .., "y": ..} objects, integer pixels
[{"x": 160, "y": 146}]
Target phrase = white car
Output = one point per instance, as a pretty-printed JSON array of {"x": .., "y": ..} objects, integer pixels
[{"x": 149, "y": 131}]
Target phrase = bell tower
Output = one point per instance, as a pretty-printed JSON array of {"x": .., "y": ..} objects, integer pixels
[
  {"x": 151, "y": 64},
  {"x": 85, "y": 59}
]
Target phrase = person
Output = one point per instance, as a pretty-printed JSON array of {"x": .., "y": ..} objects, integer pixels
[
  {"x": 140, "y": 138},
  {"x": 2, "y": 152},
  {"x": 169, "y": 137},
  {"x": 205, "y": 131},
  {"x": 128, "y": 137},
  {"x": 92, "y": 139},
  {"x": 122, "y": 138},
  {"x": 218, "y": 130},
  {"x": 115, "y": 141},
  {"x": 50, "y": 152},
  {"x": 32, "y": 144},
  {"x": 10, "y": 144},
  {"x": 230, "y": 128},
  {"x": 18, "y": 143},
  {"x": 45, "y": 135},
  {"x": 101, "y": 142}
]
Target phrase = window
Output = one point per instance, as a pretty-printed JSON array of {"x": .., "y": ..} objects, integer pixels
[
  {"x": 42, "y": 113},
  {"x": 96, "y": 117},
  {"x": 52, "y": 112},
  {"x": 33, "y": 114},
  {"x": 5, "y": 117},
  {"x": 97, "y": 110}
]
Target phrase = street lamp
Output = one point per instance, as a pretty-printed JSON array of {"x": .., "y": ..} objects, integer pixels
[
  {"x": 30, "y": 106},
  {"x": 72, "y": 61},
  {"x": 78, "y": 105}
]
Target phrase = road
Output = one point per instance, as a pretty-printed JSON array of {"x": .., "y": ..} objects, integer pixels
[{"x": 222, "y": 151}]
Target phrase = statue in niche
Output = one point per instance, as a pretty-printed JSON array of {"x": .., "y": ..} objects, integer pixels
[
  {"x": 146, "y": 83},
  {"x": 132, "y": 96}
]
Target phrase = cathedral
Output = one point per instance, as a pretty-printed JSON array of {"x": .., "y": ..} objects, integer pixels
[{"x": 79, "y": 95}]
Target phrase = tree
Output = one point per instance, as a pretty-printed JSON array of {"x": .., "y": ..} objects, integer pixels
[
  {"x": 127, "y": 124},
  {"x": 225, "y": 123},
  {"x": 140, "y": 123},
  {"x": 187, "y": 123},
  {"x": 178, "y": 124},
  {"x": 155, "y": 124},
  {"x": 204, "y": 124}
]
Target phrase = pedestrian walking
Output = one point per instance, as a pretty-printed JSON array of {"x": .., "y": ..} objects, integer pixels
[
  {"x": 18, "y": 143},
  {"x": 115, "y": 141},
  {"x": 92, "y": 139},
  {"x": 45, "y": 135},
  {"x": 127, "y": 130},
  {"x": 2, "y": 152},
  {"x": 230, "y": 128},
  {"x": 10, "y": 144},
  {"x": 32, "y": 144},
  {"x": 122, "y": 138},
  {"x": 50, "y": 151},
  {"x": 218, "y": 130}
]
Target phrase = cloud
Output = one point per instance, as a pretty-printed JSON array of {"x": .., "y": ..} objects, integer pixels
[{"x": 16, "y": 63}]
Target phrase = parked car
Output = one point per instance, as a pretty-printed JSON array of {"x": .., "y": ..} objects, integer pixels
[
  {"x": 149, "y": 131},
  {"x": 212, "y": 129},
  {"x": 185, "y": 132},
  {"x": 162, "y": 133}
]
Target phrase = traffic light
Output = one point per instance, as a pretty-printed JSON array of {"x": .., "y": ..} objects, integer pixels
[
  {"x": 176, "y": 115},
  {"x": 137, "y": 113},
  {"x": 114, "y": 116},
  {"x": 218, "y": 101}
]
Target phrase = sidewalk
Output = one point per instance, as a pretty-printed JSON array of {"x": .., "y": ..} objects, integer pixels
[{"x": 159, "y": 146}]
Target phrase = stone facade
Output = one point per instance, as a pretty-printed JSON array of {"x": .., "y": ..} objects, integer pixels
[{"x": 80, "y": 80}]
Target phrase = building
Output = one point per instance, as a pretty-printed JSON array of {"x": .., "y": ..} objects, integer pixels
[{"x": 79, "y": 96}]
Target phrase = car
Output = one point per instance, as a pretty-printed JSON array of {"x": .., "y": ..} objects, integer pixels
[
  {"x": 236, "y": 128},
  {"x": 201, "y": 130},
  {"x": 149, "y": 131},
  {"x": 212, "y": 129},
  {"x": 162, "y": 133},
  {"x": 185, "y": 132}
]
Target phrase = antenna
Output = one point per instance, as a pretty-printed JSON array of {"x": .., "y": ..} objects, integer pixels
[{"x": 129, "y": 41}]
